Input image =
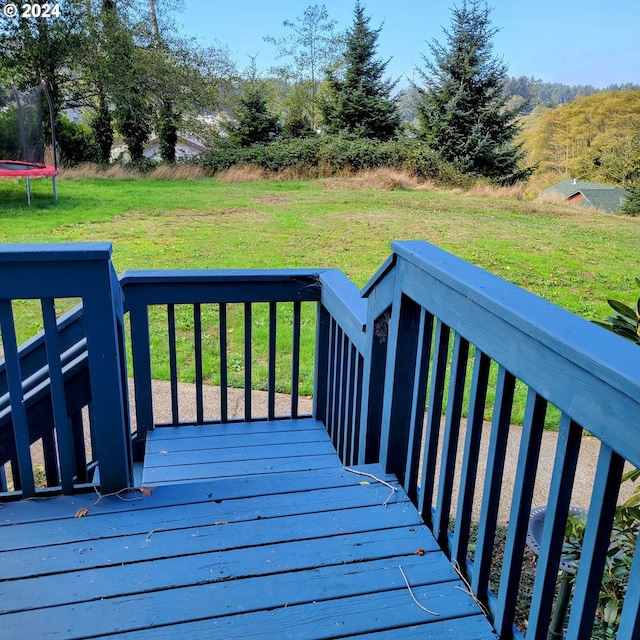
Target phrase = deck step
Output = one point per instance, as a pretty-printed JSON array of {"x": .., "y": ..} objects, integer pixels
[{"x": 195, "y": 453}]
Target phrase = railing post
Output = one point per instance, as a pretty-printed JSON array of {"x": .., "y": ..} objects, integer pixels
[{"x": 103, "y": 314}]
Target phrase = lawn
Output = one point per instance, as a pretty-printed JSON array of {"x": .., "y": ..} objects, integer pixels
[{"x": 574, "y": 258}]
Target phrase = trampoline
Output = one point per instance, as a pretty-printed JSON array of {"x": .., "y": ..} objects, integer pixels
[{"x": 22, "y": 136}]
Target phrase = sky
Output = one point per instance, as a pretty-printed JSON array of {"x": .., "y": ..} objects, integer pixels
[{"x": 574, "y": 42}]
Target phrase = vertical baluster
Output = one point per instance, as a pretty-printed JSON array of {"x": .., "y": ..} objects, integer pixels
[
  {"x": 295, "y": 359},
  {"x": 224, "y": 381},
  {"x": 4, "y": 487},
  {"x": 337, "y": 381},
  {"x": 331, "y": 369},
  {"x": 555, "y": 522},
  {"x": 357, "y": 407},
  {"x": 475, "y": 423},
  {"x": 16, "y": 399},
  {"x": 79, "y": 452},
  {"x": 51, "y": 470},
  {"x": 271, "y": 381},
  {"x": 630, "y": 618},
  {"x": 493, "y": 482},
  {"x": 399, "y": 385},
  {"x": 60, "y": 419},
  {"x": 344, "y": 394},
  {"x": 436, "y": 394},
  {"x": 348, "y": 399},
  {"x": 523, "y": 486},
  {"x": 595, "y": 546},
  {"x": 141, "y": 353},
  {"x": 321, "y": 365},
  {"x": 423, "y": 350},
  {"x": 450, "y": 443},
  {"x": 197, "y": 343},
  {"x": 247, "y": 361},
  {"x": 173, "y": 362}
]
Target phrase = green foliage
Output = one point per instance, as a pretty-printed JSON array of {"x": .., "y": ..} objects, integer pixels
[
  {"x": 252, "y": 121},
  {"x": 462, "y": 108},
  {"x": 9, "y": 134},
  {"x": 102, "y": 128},
  {"x": 311, "y": 47},
  {"x": 76, "y": 141},
  {"x": 631, "y": 205},
  {"x": 626, "y": 321},
  {"x": 592, "y": 138},
  {"x": 359, "y": 102},
  {"x": 167, "y": 130},
  {"x": 624, "y": 537},
  {"x": 331, "y": 154}
]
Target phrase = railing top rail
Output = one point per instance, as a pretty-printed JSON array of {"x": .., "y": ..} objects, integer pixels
[
  {"x": 206, "y": 276},
  {"x": 68, "y": 251},
  {"x": 584, "y": 343}
]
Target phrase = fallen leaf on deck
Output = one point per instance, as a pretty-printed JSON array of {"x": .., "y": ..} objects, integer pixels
[
  {"x": 164, "y": 451},
  {"x": 81, "y": 513},
  {"x": 420, "y": 552},
  {"x": 364, "y": 482},
  {"x": 147, "y": 491},
  {"x": 221, "y": 522}
]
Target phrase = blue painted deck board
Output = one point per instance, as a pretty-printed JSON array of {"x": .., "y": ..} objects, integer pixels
[{"x": 305, "y": 554}]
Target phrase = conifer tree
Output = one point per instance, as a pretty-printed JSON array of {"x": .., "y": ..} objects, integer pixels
[
  {"x": 252, "y": 121},
  {"x": 462, "y": 108},
  {"x": 359, "y": 102}
]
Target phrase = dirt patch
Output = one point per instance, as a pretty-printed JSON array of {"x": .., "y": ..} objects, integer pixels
[{"x": 272, "y": 200}]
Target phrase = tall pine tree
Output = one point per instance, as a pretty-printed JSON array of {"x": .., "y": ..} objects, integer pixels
[
  {"x": 462, "y": 109},
  {"x": 359, "y": 102}
]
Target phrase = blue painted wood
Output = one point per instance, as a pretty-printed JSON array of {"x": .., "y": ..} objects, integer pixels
[
  {"x": 630, "y": 618},
  {"x": 596, "y": 543},
  {"x": 343, "y": 301},
  {"x": 523, "y": 485},
  {"x": 61, "y": 421},
  {"x": 322, "y": 365},
  {"x": 173, "y": 362},
  {"x": 295, "y": 358},
  {"x": 197, "y": 342},
  {"x": 469, "y": 470},
  {"x": 141, "y": 360},
  {"x": 570, "y": 362},
  {"x": 419, "y": 395},
  {"x": 18, "y": 410},
  {"x": 271, "y": 374},
  {"x": 434, "y": 414},
  {"x": 248, "y": 355},
  {"x": 457, "y": 379},
  {"x": 555, "y": 521},
  {"x": 399, "y": 376},
  {"x": 224, "y": 411},
  {"x": 493, "y": 483}
]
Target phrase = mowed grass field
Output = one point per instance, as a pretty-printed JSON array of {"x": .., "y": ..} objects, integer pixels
[{"x": 570, "y": 256}]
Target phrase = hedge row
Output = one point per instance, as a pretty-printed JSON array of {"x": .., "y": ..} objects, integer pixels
[{"x": 327, "y": 155}]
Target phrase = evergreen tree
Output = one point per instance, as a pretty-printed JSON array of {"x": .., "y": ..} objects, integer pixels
[
  {"x": 359, "y": 102},
  {"x": 462, "y": 109},
  {"x": 252, "y": 121}
]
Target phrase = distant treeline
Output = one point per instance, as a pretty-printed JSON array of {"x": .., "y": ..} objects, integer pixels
[{"x": 550, "y": 94}]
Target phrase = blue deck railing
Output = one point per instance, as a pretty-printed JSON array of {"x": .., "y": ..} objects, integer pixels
[{"x": 431, "y": 359}]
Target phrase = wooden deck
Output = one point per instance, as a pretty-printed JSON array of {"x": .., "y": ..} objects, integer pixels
[{"x": 256, "y": 531}]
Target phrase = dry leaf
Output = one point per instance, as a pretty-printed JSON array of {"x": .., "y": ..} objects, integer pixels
[
  {"x": 81, "y": 513},
  {"x": 364, "y": 482},
  {"x": 164, "y": 451},
  {"x": 147, "y": 491},
  {"x": 420, "y": 552},
  {"x": 221, "y": 522}
]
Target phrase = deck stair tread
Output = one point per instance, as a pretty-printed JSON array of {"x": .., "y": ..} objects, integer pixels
[{"x": 313, "y": 553}]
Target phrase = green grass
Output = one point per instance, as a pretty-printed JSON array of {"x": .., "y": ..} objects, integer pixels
[{"x": 574, "y": 258}]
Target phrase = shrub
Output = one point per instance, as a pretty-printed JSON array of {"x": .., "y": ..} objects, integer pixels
[{"x": 76, "y": 142}]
